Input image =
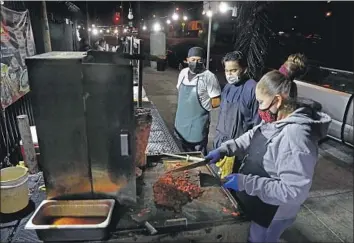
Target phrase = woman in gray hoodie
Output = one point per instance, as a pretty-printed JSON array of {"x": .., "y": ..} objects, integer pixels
[{"x": 281, "y": 153}]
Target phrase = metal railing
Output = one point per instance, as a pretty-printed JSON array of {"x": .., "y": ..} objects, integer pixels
[{"x": 9, "y": 132}]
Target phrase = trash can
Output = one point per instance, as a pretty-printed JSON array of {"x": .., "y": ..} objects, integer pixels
[{"x": 161, "y": 65}]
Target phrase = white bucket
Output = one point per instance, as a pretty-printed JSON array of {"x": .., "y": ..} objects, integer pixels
[{"x": 14, "y": 189}]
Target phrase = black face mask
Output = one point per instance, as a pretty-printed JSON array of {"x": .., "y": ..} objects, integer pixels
[{"x": 196, "y": 67}]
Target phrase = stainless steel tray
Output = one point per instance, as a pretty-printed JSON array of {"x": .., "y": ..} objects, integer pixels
[{"x": 72, "y": 220}]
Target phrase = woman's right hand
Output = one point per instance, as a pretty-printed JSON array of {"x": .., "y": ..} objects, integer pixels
[{"x": 213, "y": 156}]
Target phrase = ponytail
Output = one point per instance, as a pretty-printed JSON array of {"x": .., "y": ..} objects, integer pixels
[{"x": 294, "y": 66}]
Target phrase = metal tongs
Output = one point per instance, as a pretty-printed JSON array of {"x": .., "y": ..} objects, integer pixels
[{"x": 197, "y": 162}]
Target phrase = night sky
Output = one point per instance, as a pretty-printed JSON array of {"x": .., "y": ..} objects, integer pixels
[{"x": 296, "y": 18}]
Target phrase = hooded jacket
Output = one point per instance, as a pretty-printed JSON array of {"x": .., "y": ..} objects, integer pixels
[{"x": 290, "y": 159}]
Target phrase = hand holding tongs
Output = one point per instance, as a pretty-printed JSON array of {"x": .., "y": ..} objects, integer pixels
[{"x": 198, "y": 162}]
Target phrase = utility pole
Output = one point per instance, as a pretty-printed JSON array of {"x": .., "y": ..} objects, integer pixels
[
  {"x": 208, "y": 46},
  {"x": 122, "y": 14},
  {"x": 88, "y": 24},
  {"x": 45, "y": 28}
]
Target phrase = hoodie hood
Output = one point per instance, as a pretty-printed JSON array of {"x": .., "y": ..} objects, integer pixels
[{"x": 309, "y": 114}]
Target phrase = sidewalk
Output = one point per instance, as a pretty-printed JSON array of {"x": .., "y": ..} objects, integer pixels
[{"x": 327, "y": 215}]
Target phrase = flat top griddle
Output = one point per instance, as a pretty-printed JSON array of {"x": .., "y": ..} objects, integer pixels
[{"x": 214, "y": 207}]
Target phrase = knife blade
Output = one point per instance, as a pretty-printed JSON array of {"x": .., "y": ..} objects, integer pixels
[
  {"x": 190, "y": 166},
  {"x": 187, "y": 158}
]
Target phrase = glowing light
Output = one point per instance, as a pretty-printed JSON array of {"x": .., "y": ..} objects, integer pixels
[
  {"x": 185, "y": 18},
  {"x": 130, "y": 15},
  {"x": 95, "y": 31},
  {"x": 101, "y": 31},
  {"x": 79, "y": 26},
  {"x": 125, "y": 30},
  {"x": 107, "y": 31},
  {"x": 89, "y": 29},
  {"x": 209, "y": 13},
  {"x": 115, "y": 31},
  {"x": 168, "y": 21},
  {"x": 223, "y": 7},
  {"x": 203, "y": 12},
  {"x": 175, "y": 16},
  {"x": 295, "y": 17},
  {"x": 144, "y": 27},
  {"x": 156, "y": 27},
  {"x": 329, "y": 14},
  {"x": 93, "y": 25}
]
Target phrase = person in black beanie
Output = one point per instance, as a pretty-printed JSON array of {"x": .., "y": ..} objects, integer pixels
[{"x": 198, "y": 93}]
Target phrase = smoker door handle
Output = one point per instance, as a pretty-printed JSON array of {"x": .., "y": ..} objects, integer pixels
[{"x": 124, "y": 144}]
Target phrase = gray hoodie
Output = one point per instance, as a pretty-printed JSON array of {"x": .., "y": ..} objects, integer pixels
[{"x": 290, "y": 159}]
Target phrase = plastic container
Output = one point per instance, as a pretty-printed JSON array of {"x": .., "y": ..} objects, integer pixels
[{"x": 14, "y": 189}]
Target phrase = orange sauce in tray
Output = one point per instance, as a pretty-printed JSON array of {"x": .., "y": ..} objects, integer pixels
[{"x": 73, "y": 220}]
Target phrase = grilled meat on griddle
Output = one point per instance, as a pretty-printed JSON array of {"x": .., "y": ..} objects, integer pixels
[{"x": 174, "y": 191}]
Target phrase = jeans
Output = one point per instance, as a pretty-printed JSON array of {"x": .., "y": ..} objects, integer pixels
[{"x": 271, "y": 234}]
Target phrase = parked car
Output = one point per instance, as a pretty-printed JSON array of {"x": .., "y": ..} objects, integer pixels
[{"x": 334, "y": 90}]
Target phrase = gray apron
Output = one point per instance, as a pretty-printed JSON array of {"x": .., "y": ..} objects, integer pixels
[
  {"x": 258, "y": 211},
  {"x": 191, "y": 117}
]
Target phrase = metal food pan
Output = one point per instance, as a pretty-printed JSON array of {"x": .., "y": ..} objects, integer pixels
[{"x": 72, "y": 220}]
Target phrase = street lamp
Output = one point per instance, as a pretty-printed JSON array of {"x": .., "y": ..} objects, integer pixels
[
  {"x": 144, "y": 27},
  {"x": 175, "y": 16},
  {"x": 101, "y": 31},
  {"x": 223, "y": 7},
  {"x": 168, "y": 21},
  {"x": 94, "y": 31},
  {"x": 156, "y": 27},
  {"x": 209, "y": 13},
  {"x": 185, "y": 18},
  {"x": 130, "y": 15},
  {"x": 107, "y": 31}
]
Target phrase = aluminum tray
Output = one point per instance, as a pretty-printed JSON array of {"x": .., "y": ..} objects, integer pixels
[{"x": 86, "y": 210}]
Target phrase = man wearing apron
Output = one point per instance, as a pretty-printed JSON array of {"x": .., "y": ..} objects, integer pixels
[
  {"x": 238, "y": 109},
  {"x": 198, "y": 93}
]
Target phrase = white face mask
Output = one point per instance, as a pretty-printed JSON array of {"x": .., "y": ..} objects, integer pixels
[{"x": 233, "y": 79}]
